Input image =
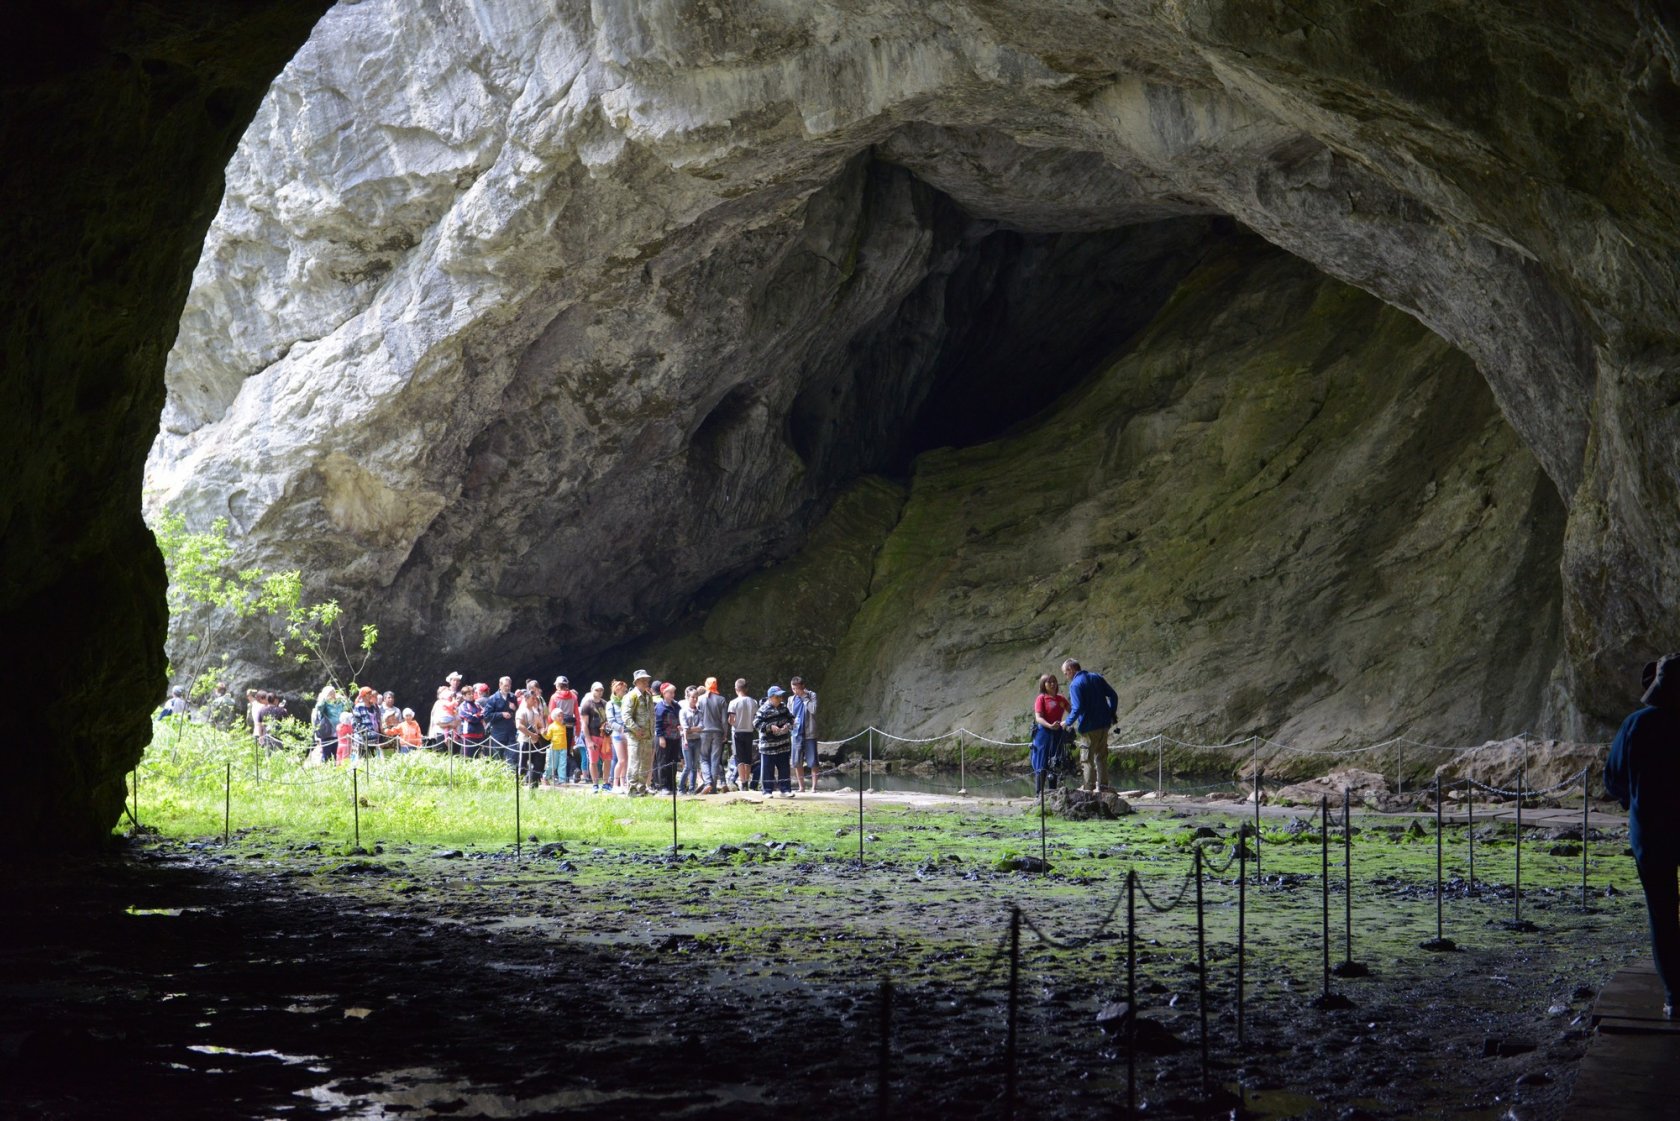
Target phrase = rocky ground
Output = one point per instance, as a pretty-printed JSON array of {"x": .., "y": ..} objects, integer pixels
[{"x": 274, "y": 977}]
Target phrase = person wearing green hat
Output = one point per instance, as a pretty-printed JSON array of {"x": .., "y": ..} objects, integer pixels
[{"x": 638, "y": 729}]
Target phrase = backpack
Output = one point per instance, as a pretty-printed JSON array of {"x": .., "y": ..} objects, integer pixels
[{"x": 566, "y": 706}]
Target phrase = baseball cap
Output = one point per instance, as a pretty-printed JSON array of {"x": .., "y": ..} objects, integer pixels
[
  {"x": 773, "y": 691},
  {"x": 596, "y": 686},
  {"x": 566, "y": 681}
]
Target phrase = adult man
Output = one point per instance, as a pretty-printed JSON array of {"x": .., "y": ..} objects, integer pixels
[
  {"x": 741, "y": 712},
  {"x": 1643, "y": 772},
  {"x": 803, "y": 706},
  {"x": 638, "y": 728},
  {"x": 775, "y": 741},
  {"x": 714, "y": 722},
  {"x": 268, "y": 720},
  {"x": 175, "y": 708},
  {"x": 667, "y": 723},
  {"x": 592, "y": 717},
  {"x": 1094, "y": 705},
  {"x": 499, "y": 710},
  {"x": 563, "y": 707},
  {"x": 223, "y": 712}
]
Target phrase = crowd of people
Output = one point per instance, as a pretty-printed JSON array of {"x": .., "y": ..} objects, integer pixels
[
  {"x": 639, "y": 736},
  {"x": 632, "y": 737}
]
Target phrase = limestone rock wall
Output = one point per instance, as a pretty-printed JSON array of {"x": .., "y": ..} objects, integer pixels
[
  {"x": 525, "y": 328},
  {"x": 1287, "y": 510}
]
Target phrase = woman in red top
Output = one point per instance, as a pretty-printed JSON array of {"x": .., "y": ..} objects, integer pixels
[{"x": 1048, "y": 711}]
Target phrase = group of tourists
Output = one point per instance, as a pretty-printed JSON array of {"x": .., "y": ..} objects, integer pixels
[
  {"x": 642, "y": 735},
  {"x": 631, "y": 737}
]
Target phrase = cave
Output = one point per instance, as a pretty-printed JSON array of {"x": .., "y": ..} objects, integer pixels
[{"x": 1338, "y": 340}]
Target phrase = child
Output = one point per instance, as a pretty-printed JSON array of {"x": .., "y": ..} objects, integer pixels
[
  {"x": 408, "y": 733},
  {"x": 557, "y": 772},
  {"x": 346, "y": 730}
]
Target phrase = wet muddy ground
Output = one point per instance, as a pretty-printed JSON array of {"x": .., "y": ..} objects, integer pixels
[{"x": 275, "y": 977}]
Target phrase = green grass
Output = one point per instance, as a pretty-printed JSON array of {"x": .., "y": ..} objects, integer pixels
[{"x": 187, "y": 783}]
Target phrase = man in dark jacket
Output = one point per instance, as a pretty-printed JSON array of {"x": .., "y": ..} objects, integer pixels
[
  {"x": 1094, "y": 704},
  {"x": 1643, "y": 772},
  {"x": 499, "y": 710}
]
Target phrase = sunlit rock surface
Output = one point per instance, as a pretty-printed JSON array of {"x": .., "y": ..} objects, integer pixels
[{"x": 528, "y": 332}]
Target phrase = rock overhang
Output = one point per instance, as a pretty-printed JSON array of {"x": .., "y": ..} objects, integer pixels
[{"x": 662, "y": 162}]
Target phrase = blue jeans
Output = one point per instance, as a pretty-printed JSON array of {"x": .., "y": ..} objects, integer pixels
[
  {"x": 1657, "y": 875},
  {"x": 689, "y": 781},
  {"x": 555, "y": 771},
  {"x": 773, "y": 772}
]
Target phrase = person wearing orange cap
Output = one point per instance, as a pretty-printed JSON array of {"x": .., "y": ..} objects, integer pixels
[{"x": 714, "y": 722}]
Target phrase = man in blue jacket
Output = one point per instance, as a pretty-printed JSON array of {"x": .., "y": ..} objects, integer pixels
[
  {"x": 1643, "y": 773},
  {"x": 1094, "y": 707}
]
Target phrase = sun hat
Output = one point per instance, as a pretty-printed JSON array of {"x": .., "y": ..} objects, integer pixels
[{"x": 641, "y": 673}]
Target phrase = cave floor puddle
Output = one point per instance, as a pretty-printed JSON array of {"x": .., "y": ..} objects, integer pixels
[{"x": 425, "y": 1091}]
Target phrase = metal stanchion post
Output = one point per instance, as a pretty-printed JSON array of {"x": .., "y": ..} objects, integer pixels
[
  {"x": 1259, "y": 786},
  {"x": 1586, "y": 788},
  {"x": 356, "y": 804},
  {"x": 1043, "y": 844},
  {"x": 860, "y": 813},
  {"x": 518, "y": 829},
  {"x": 227, "y": 804},
  {"x": 1470, "y": 832},
  {"x": 136, "y": 814},
  {"x": 1131, "y": 993},
  {"x": 1242, "y": 930},
  {"x": 871, "y": 758},
  {"x": 1326, "y": 999},
  {"x": 673, "y": 817},
  {"x": 1014, "y": 1012},
  {"x": 1201, "y": 971},
  {"x": 962, "y": 766},
  {"x": 1522, "y": 782},
  {"x": 1440, "y": 942},
  {"x": 1348, "y": 967},
  {"x": 1400, "y": 769},
  {"x": 1347, "y": 878},
  {"x": 883, "y": 1076},
  {"x": 1160, "y": 765},
  {"x": 1517, "y": 921},
  {"x": 1324, "y": 881}
]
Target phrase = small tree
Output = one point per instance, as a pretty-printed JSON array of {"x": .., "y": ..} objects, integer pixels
[{"x": 205, "y": 587}]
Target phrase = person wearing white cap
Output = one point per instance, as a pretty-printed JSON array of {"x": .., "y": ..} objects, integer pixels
[
  {"x": 638, "y": 727},
  {"x": 563, "y": 707}
]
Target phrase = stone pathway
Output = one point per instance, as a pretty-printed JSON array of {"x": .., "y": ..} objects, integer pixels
[{"x": 1628, "y": 1072}]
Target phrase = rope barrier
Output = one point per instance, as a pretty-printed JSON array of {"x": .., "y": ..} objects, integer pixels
[
  {"x": 1572, "y": 780},
  {"x": 1078, "y": 943},
  {"x": 1183, "y": 890}
]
